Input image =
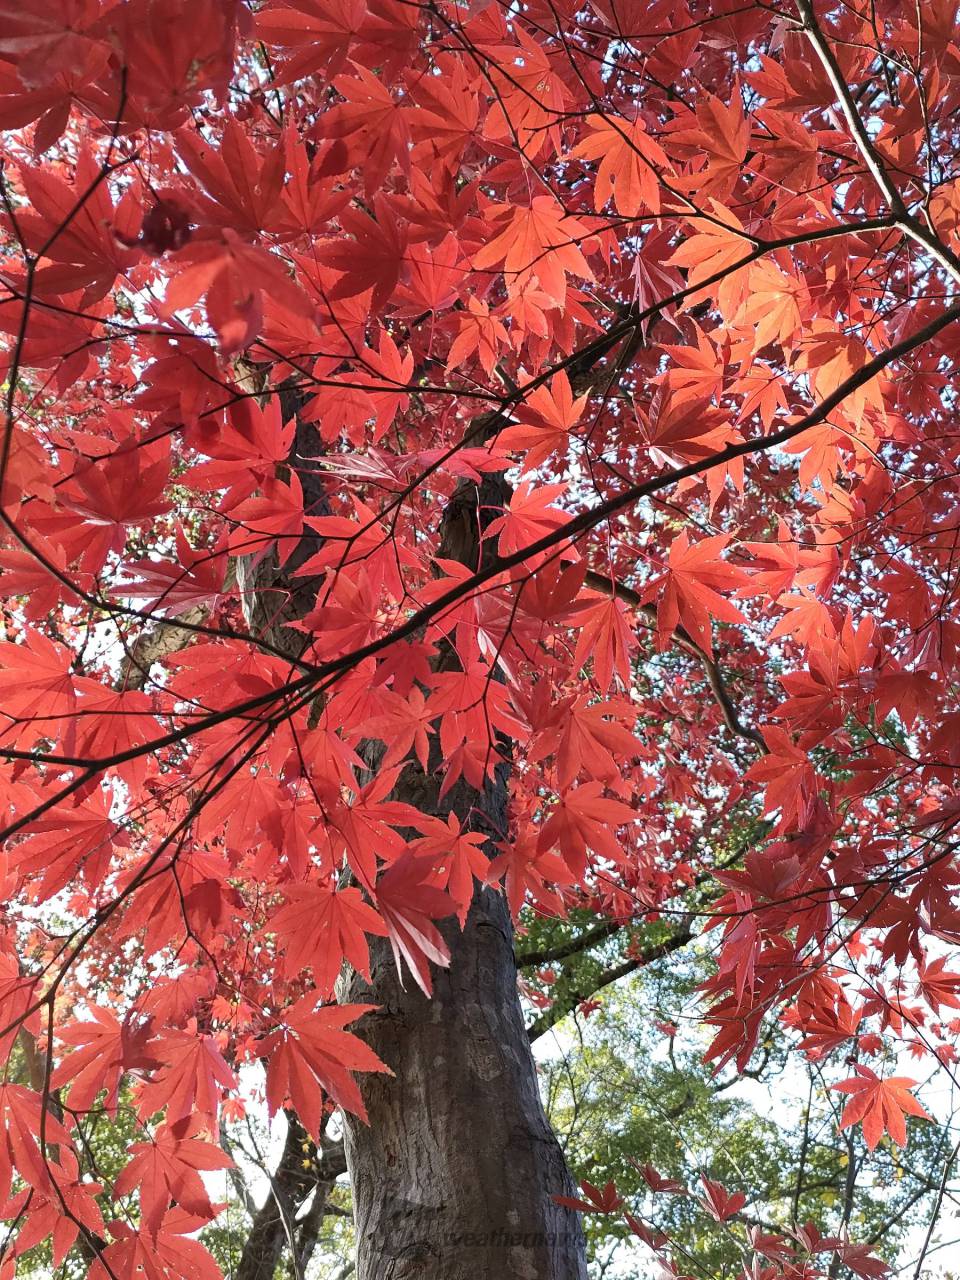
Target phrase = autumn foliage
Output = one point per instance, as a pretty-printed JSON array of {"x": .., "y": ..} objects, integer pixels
[{"x": 658, "y": 300}]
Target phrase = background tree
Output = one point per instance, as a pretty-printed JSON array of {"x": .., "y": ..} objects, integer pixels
[
  {"x": 458, "y": 462},
  {"x": 626, "y": 1088}
]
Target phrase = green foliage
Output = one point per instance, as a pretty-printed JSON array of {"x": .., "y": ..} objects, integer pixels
[{"x": 626, "y": 1086}]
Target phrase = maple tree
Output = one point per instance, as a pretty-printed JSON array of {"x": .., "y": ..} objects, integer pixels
[{"x": 463, "y": 464}]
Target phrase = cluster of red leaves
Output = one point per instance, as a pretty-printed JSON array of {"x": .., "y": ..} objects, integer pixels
[{"x": 707, "y": 326}]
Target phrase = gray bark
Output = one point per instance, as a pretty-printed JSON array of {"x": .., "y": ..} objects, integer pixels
[{"x": 454, "y": 1176}]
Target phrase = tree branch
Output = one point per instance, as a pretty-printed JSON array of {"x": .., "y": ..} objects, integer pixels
[
  {"x": 905, "y": 221},
  {"x": 560, "y": 1008},
  {"x": 573, "y": 947},
  {"x": 303, "y": 1170}
]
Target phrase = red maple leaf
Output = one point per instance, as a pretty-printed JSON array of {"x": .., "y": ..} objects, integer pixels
[
  {"x": 310, "y": 1054},
  {"x": 189, "y": 1078},
  {"x": 104, "y": 1050},
  {"x": 938, "y": 985},
  {"x": 689, "y": 590},
  {"x": 585, "y": 819},
  {"x": 409, "y": 899},
  {"x": 172, "y": 587},
  {"x": 168, "y": 1168},
  {"x": 545, "y": 422},
  {"x": 881, "y": 1105},
  {"x": 718, "y": 1202},
  {"x": 320, "y": 927},
  {"x": 597, "y": 1200}
]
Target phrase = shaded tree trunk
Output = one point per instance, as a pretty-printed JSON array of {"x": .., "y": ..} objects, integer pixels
[
  {"x": 303, "y": 1170},
  {"x": 454, "y": 1176}
]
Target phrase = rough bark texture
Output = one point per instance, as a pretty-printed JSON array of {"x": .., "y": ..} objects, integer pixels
[{"x": 453, "y": 1177}]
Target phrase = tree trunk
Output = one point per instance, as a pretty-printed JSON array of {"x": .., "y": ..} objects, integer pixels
[
  {"x": 453, "y": 1177},
  {"x": 303, "y": 1170}
]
